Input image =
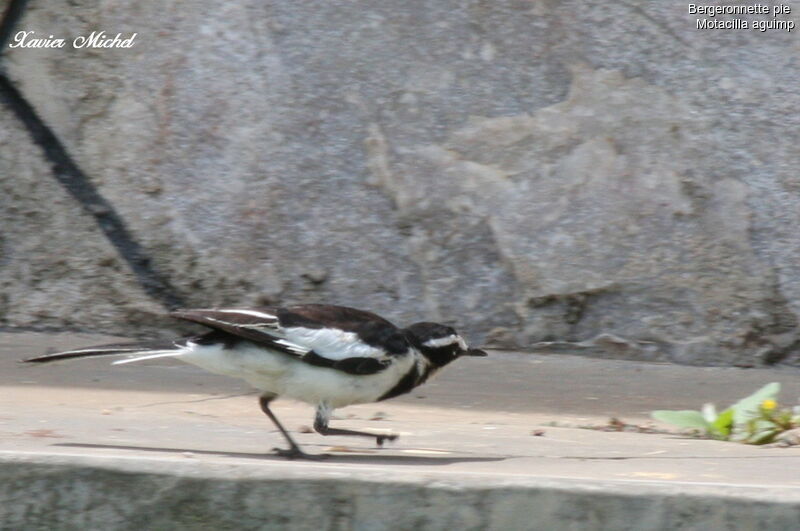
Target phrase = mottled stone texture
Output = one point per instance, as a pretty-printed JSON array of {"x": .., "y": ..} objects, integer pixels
[
  {"x": 577, "y": 172},
  {"x": 81, "y": 495},
  {"x": 55, "y": 269}
]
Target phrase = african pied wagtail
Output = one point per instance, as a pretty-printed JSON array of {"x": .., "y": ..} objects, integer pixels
[{"x": 329, "y": 356}]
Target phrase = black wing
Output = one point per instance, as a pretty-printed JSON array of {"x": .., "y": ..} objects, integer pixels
[{"x": 346, "y": 339}]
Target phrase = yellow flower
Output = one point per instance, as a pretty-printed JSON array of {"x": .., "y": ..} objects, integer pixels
[{"x": 768, "y": 404}]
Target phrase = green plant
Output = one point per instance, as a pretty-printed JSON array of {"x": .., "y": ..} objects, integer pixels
[{"x": 755, "y": 419}]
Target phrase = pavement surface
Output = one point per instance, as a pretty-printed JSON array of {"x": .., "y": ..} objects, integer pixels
[{"x": 509, "y": 428}]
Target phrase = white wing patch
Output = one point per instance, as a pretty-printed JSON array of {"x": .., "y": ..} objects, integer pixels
[
  {"x": 329, "y": 343},
  {"x": 251, "y": 313},
  {"x": 332, "y": 343},
  {"x": 270, "y": 320},
  {"x": 149, "y": 356},
  {"x": 297, "y": 349}
]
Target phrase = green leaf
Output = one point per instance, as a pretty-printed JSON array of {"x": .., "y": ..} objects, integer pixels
[
  {"x": 723, "y": 424},
  {"x": 764, "y": 436},
  {"x": 750, "y": 407},
  {"x": 784, "y": 419},
  {"x": 756, "y": 431},
  {"x": 684, "y": 419}
]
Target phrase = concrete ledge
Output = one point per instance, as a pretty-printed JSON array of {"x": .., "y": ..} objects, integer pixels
[
  {"x": 77, "y": 492},
  {"x": 493, "y": 443}
]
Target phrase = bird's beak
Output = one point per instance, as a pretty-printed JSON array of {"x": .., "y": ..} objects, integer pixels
[{"x": 475, "y": 352}]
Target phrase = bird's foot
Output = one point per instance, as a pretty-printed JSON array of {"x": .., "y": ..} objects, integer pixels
[
  {"x": 389, "y": 437},
  {"x": 296, "y": 453}
]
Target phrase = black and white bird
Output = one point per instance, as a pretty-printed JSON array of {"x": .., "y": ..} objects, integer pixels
[{"x": 328, "y": 356}]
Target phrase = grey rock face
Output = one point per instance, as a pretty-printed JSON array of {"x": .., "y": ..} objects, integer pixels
[
  {"x": 55, "y": 271},
  {"x": 603, "y": 176}
]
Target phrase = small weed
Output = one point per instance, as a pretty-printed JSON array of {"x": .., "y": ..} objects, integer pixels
[{"x": 755, "y": 419}]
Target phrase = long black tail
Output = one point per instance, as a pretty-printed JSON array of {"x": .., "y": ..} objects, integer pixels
[{"x": 145, "y": 349}]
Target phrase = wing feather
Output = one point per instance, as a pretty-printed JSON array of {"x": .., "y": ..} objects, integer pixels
[
  {"x": 345, "y": 339},
  {"x": 257, "y": 325}
]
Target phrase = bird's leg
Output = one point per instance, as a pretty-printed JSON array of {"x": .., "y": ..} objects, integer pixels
[
  {"x": 321, "y": 426},
  {"x": 294, "y": 450}
]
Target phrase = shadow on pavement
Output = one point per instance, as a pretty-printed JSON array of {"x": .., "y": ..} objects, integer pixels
[{"x": 375, "y": 458}]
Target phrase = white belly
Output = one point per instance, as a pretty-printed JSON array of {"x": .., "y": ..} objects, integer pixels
[{"x": 282, "y": 375}]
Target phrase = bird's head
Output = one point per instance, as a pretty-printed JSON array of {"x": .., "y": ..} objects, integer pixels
[{"x": 439, "y": 343}]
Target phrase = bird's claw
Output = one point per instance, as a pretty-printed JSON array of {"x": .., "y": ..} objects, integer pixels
[{"x": 390, "y": 437}]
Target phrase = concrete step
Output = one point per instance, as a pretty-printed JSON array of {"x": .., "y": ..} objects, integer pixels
[{"x": 493, "y": 443}]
